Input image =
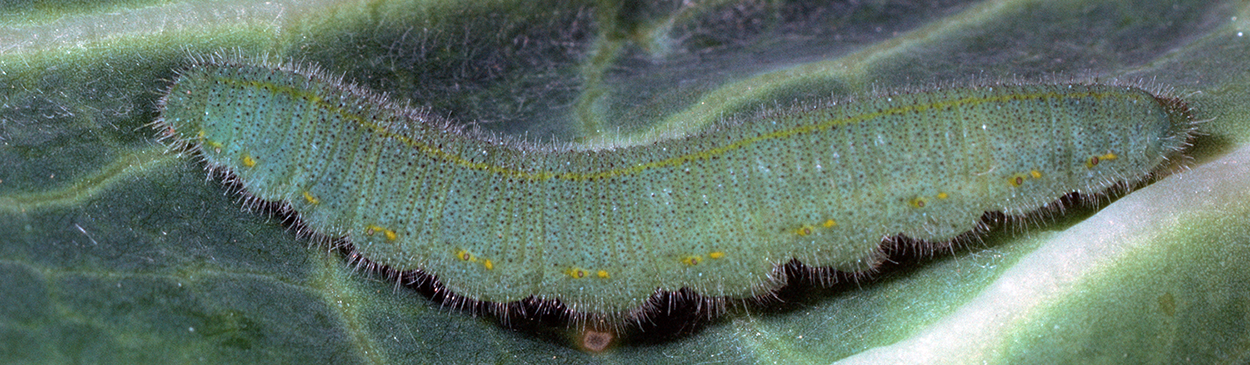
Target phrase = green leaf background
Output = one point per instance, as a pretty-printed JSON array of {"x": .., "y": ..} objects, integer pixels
[{"x": 113, "y": 251}]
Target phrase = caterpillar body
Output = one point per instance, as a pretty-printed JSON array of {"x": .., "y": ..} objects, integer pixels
[{"x": 501, "y": 220}]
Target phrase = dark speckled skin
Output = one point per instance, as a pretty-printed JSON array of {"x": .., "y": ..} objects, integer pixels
[{"x": 500, "y": 220}]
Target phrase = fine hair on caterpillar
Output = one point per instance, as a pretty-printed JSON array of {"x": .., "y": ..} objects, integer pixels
[{"x": 611, "y": 232}]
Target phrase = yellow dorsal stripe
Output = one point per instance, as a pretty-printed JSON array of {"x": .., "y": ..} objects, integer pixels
[{"x": 440, "y": 154}]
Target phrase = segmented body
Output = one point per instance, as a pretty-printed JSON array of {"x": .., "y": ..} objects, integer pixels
[{"x": 601, "y": 231}]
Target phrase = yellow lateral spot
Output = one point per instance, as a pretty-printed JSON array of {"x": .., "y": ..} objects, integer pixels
[
  {"x": 943, "y": 195},
  {"x": 602, "y": 274},
  {"x": 1093, "y": 161},
  {"x": 716, "y": 255},
  {"x": 691, "y": 260},
  {"x": 804, "y": 230},
  {"x": 390, "y": 234},
  {"x": 371, "y": 229},
  {"x": 1016, "y": 180},
  {"x": 489, "y": 265},
  {"x": 829, "y": 223},
  {"x": 213, "y": 144},
  {"x": 464, "y": 255},
  {"x": 575, "y": 273},
  {"x": 311, "y": 199},
  {"x": 918, "y": 202},
  {"x": 201, "y": 134},
  {"x": 1035, "y": 174}
]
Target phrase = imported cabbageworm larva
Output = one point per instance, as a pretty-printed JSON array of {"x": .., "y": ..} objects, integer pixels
[{"x": 500, "y": 220}]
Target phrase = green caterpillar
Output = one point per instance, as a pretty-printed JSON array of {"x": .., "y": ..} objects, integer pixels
[{"x": 601, "y": 231}]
